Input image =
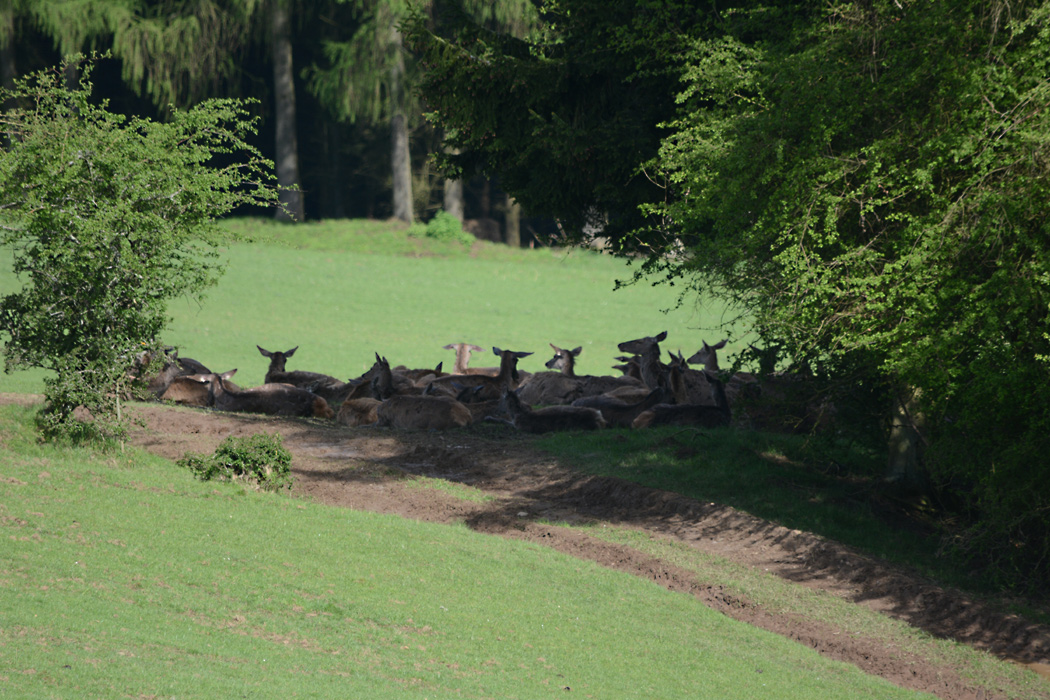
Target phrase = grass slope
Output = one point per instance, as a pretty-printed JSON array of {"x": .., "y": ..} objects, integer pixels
[{"x": 122, "y": 576}]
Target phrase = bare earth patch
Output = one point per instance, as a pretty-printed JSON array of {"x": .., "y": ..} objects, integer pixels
[{"x": 374, "y": 469}]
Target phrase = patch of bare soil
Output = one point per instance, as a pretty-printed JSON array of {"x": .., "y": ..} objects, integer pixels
[{"x": 372, "y": 469}]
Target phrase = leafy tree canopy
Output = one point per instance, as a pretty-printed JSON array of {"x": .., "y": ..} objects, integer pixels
[{"x": 109, "y": 218}]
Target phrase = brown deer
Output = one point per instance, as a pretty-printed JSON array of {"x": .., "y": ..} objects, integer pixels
[
  {"x": 622, "y": 414},
  {"x": 463, "y": 351},
  {"x": 357, "y": 412},
  {"x": 488, "y": 388},
  {"x": 700, "y": 415},
  {"x": 173, "y": 367},
  {"x": 332, "y": 390},
  {"x": 271, "y": 399},
  {"x": 187, "y": 391},
  {"x": 549, "y": 419},
  {"x": 564, "y": 386},
  {"x": 423, "y": 413},
  {"x": 648, "y": 351}
]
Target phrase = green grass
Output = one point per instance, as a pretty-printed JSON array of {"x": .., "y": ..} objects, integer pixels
[
  {"x": 122, "y": 576},
  {"x": 343, "y": 291}
]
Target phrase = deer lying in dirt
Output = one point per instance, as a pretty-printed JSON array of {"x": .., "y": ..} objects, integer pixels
[
  {"x": 332, "y": 390},
  {"x": 174, "y": 366},
  {"x": 271, "y": 399},
  {"x": 622, "y": 414},
  {"x": 423, "y": 413},
  {"x": 564, "y": 386},
  {"x": 187, "y": 391},
  {"x": 549, "y": 419},
  {"x": 357, "y": 412},
  {"x": 487, "y": 388},
  {"x": 701, "y": 415}
]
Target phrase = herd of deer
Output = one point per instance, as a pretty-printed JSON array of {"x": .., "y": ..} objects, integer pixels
[{"x": 648, "y": 391}]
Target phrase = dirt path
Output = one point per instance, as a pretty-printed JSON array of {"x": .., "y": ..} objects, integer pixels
[{"x": 371, "y": 469}]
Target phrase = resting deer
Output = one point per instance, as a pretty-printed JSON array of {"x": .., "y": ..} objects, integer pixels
[
  {"x": 332, "y": 390},
  {"x": 174, "y": 366},
  {"x": 648, "y": 351},
  {"x": 622, "y": 414},
  {"x": 549, "y": 419},
  {"x": 187, "y": 391},
  {"x": 564, "y": 386},
  {"x": 356, "y": 412},
  {"x": 271, "y": 399},
  {"x": 702, "y": 415},
  {"x": 423, "y": 413},
  {"x": 463, "y": 351},
  {"x": 488, "y": 388}
]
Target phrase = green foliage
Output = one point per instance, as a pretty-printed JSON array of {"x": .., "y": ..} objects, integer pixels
[
  {"x": 446, "y": 227},
  {"x": 881, "y": 203},
  {"x": 109, "y": 218},
  {"x": 259, "y": 459}
]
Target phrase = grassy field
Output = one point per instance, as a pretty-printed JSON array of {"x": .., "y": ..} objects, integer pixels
[
  {"x": 343, "y": 291},
  {"x": 123, "y": 577}
]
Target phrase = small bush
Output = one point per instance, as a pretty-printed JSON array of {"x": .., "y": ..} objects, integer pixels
[
  {"x": 445, "y": 227},
  {"x": 259, "y": 459}
]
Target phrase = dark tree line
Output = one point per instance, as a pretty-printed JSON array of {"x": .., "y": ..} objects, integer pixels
[{"x": 333, "y": 85}]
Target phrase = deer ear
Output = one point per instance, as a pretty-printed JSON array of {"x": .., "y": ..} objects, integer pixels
[
  {"x": 450, "y": 346},
  {"x": 265, "y": 353},
  {"x": 719, "y": 346},
  {"x": 522, "y": 354},
  {"x": 662, "y": 337},
  {"x": 227, "y": 375},
  {"x": 291, "y": 352},
  {"x": 577, "y": 351},
  {"x": 496, "y": 351}
]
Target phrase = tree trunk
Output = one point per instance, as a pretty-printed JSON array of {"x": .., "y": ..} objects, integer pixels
[
  {"x": 907, "y": 442},
  {"x": 454, "y": 198},
  {"x": 287, "y": 158},
  {"x": 400, "y": 158},
  {"x": 513, "y": 223},
  {"x": 8, "y": 73}
]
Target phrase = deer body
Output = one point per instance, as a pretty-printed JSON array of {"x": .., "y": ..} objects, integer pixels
[
  {"x": 564, "y": 386},
  {"x": 423, "y": 413},
  {"x": 487, "y": 388},
  {"x": 271, "y": 399},
  {"x": 700, "y": 415},
  {"x": 329, "y": 388},
  {"x": 551, "y": 418},
  {"x": 622, "y": 414},
  {"x": 648, "y": 351}
]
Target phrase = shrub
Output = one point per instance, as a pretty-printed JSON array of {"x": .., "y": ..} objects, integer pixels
[
  {"x": 446, "y": 227},
  {"x": 109, "y": 218},
  {"x": 258, "y": 459}
]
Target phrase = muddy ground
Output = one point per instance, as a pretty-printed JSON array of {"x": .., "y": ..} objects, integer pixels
[{"x": 372, "y": 469}]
